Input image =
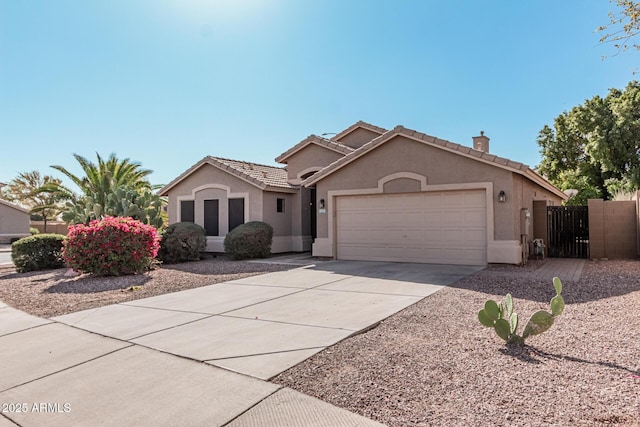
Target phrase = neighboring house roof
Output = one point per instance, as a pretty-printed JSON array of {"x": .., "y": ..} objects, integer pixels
[
  {"x": 11, "y": 205},
  {"x": 314, "y": 139},
  {"x": 462, "y": 150},
  {"x": 262, "y": 176},
  {"x": 357, "y": 125}
]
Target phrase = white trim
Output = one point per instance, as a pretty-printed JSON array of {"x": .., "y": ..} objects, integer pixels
[
  {"x": 399, "y": 175},
  {"x": 328, "y": 248},
  {"x": 180, "y": 199},
  {"x": 226, "y": 188}
]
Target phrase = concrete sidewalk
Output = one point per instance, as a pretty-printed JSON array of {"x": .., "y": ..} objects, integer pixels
[{"x": 201, "y": 357}]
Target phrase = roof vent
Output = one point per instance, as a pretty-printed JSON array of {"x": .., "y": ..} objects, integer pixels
[{"x": 264, "y": 174}]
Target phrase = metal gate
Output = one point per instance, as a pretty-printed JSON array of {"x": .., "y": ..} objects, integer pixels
[{"x": 568, "y": 231}]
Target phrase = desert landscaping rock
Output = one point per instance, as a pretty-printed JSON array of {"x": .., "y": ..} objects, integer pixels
[
  {"x": 434, "y": 364},
  {"x": 50, "y": 293}
]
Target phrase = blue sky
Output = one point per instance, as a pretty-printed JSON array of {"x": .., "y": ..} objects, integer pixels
[{"x": 167, "y": 82}]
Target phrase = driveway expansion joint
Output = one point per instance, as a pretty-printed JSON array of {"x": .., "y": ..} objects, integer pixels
[
  {"x": 265, "y": 353},
  {"x": 29, "y": 328},
  {"x": 287, "y": 323},
  {"x": 69, "y": 367}
]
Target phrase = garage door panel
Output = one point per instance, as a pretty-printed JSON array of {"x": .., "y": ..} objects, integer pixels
[
  {"x": 355, "y": 236},
  {"x": 438, "y": 227},
  {"x": 348, "y": 219},
  {"x": 474, "y": 198},
  {"x": 455, "y": 237},
  {"x": 475, "y": 237},
  {"x": 475, "y": 219},
  {"x": 452, "y": 219},
  {"x": 453, "y": 200}
]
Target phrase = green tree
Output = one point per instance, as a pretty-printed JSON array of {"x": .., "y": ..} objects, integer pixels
[
  {"x": 623, "y": 27},
  {"x": 100, "y": 178},
  {"x": 111, "y": 187},
  {"x": 40, "y": 194},
  {"x": 595, "y": 147}
]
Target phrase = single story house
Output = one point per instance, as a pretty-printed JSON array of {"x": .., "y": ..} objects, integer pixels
[
  {"x": 14, "y": 222},
  {"x": 369, "y": 193}
]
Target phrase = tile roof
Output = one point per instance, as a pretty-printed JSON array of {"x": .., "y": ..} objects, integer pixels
[
  {"x": 356, "y": 125},
  {"x": 262, "y": 176},
  {"x": 314, "y": 139},
  {"x": 504, "y": 163}
]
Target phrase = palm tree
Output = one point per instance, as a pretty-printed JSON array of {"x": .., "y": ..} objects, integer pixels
[
  {"x": 39, "y": 194},
  {"x": 111, "y": 187},
  {"x": 101, "y": 178}
]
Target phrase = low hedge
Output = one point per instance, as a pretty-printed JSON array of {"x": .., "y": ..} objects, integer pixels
[
  {"x": 181, "y": 242},
  {"x": 250, "y": 240},
  {"x": 38, "y": 252}
]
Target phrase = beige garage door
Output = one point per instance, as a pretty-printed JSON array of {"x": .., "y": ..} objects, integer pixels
[{"x": 448, "y": 227}]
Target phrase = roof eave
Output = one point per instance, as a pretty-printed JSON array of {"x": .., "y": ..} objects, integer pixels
[
  {"x": 509, "y": 165},
  {"x": 313, "y": 139}
]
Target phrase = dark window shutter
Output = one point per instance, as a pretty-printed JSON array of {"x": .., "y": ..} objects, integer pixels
[
  {"x": 187, "y": 211},
  {"x": 236, "y": 213},
  {"x": 211, "y": 217}
]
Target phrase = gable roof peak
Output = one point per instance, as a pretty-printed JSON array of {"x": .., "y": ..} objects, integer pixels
[
  {"x": 359, "y": 124},
  {"x": 318, "y": 140}
]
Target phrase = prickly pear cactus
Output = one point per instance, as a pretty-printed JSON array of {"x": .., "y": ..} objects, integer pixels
[{"x": 504, "y": 320}]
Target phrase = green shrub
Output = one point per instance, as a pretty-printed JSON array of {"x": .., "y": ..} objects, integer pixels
[
  {"x": 39, "y": 252},
  {"x": 181, "y": 242},
  {"x": 112, "y": 246},
  {"x": 250, "y": 240},
  {"x": 33, "y": 231}
]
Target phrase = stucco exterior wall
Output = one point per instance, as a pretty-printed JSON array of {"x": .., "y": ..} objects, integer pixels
[
  {"x": 209, "y": 182},
  {"x": 525, "y": 193},
  {"x": 612, "y": 229},
  {"x": 312, "y": 157},
  {"x": 358, "y": 138},
  {"x": 385, "y": 169},
  {"x": 438, "y": 166},
  {"x": 280, "y": 221},
  {"x": 14, "y": 222}
]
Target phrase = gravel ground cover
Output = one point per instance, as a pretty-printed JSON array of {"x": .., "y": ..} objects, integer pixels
[
  {"x": 50, "y": 293},
  {"x": 433, "y": 364}
]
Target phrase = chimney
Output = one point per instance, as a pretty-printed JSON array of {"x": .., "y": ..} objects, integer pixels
[{"x": 481, "y": 143}]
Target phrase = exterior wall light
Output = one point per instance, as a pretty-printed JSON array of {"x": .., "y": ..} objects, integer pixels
[
  {"x": 502, "y": 197},
  {"x": 321, "y": 203}
]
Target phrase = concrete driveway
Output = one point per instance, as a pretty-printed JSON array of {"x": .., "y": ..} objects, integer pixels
[
  {"x": 263, "y": 325},
  {"x": 107, "y": 366}
]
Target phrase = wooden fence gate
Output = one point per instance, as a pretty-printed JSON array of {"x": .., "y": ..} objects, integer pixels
[{"x": 568, "y": 231}]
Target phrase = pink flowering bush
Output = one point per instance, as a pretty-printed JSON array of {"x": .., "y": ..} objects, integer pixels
[{"x": 112, "y": 246}]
